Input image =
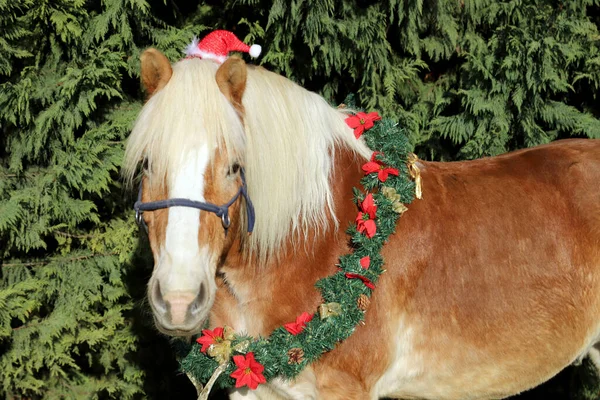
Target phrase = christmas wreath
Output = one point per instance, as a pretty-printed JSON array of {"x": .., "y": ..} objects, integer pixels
[{"x": 227, "y": 359}]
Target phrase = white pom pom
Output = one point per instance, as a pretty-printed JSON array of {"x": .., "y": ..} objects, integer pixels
[
  {"x": 192, "y": 48},
  {"x": 255, "y": 50}
]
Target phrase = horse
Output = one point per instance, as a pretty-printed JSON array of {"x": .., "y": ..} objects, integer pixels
[{"x": 493, "y": 276}]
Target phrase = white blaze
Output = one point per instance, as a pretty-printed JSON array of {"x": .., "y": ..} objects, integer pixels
[{"x": 182, "y": 255}]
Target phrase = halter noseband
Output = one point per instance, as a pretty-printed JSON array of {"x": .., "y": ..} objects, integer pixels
[{"x": 220, "y": 211}]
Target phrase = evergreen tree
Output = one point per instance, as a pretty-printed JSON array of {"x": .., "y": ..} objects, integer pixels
[
  {"x": 66, "y": 234},
  {"x": 521, "y": 63},
  {"x": 465, "y": 78}
]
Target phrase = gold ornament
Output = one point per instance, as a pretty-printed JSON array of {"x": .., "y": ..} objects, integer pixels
[
  {"x": 329, "y": 310},
  {"x": 415, "y": 173},
  {"x": 399, "y": 208},
  {"x": 221, "y": 351},
  {"x": 295, "y": 355},
  {"x": 391, "y": 194},
  {"x": 241, "y": 347},
  {"x": 228, "y": 333},
  {"x": 363, "y": 302}
]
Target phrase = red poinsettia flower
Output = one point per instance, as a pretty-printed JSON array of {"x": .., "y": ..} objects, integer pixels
[
  {"x": 377, "y": 166},
  {"x": 362, "y": 122},
  {"x": 368, "y": 206},
  {"x": 365, "y": 262},
  {"x": 249, "y": 372},
  {"x": 366, "y": 226},
  {"x": 210, "y": 337},
  {"x": 296, "y": 327},
  {"x": 364, "y": 279},
  {"x": 365, "y": 219}
]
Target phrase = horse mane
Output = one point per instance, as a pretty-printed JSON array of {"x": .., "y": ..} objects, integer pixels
[{"x": 287, "y": 145}]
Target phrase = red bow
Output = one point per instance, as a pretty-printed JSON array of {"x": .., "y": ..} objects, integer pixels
[{"x": 364, "y": 279}]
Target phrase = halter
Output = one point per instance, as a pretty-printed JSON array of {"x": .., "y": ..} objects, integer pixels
[{"x": 220, "y": 211}]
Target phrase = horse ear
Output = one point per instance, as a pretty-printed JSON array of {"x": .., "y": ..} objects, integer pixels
[
  {"x": 156, "y": 70},
  {"x": 231, "y": 78}
]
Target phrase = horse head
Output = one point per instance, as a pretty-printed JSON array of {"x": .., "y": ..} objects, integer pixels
[
  {"x": 212, "y": 136},
  {"x": 193, "y": 186}
]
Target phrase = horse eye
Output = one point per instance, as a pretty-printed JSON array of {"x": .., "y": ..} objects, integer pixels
[
  {"x": 145, "y": 164},
  {"x": 234, "y": 169}
]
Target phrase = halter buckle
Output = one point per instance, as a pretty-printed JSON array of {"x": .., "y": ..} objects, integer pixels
[
  {"x": 225, "y": 221},
  {"x": 138, "y": 218}
]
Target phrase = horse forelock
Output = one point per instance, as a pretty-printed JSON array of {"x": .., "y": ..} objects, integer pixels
[
  {"x": 188, "y": 113},
  {"x": 286, "y": 142}
]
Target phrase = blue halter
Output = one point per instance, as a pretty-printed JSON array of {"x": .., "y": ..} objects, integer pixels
[{"x": 220, "y": 211}]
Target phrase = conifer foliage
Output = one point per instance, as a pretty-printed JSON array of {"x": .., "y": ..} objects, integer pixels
[
  {"x": 465, "y": 78},
  {"x": 66, "y": 240}
]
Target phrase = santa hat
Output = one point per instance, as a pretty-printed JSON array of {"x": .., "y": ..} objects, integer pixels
[{"x": 217, "y": 45}]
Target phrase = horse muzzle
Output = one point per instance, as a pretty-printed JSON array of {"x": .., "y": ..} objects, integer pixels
[{"x": 180, "y": 313}]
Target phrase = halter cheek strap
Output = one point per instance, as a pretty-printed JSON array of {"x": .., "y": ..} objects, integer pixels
[{"x": 220, "y": 211}]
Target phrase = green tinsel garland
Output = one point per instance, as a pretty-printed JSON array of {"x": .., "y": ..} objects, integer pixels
[{"x": 322, "y": 335}]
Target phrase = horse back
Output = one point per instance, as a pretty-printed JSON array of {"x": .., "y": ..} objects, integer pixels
[
  {"x": 552, "y": 188},
  {"x": 494, "y": 275}
]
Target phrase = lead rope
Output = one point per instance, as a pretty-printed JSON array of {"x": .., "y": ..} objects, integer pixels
[
  {"x": 206, "y": 391},
  {"x": 203, "y": 392}
]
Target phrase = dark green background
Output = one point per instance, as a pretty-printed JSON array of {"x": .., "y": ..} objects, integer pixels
[{"x": 465, "y": 78}]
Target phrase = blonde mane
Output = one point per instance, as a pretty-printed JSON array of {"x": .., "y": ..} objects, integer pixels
[{"x": 287, "y": 144}]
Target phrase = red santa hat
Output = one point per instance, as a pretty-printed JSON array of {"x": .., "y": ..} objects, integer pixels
[{"x": 217, "y": 45}]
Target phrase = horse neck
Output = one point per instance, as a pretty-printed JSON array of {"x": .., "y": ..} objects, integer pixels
[{"x": 258, "y": 298}]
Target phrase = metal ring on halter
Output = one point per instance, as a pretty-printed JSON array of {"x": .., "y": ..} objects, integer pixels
[
  {"x": 139, "y": 219},
  {"x": 225, "y": 220}
]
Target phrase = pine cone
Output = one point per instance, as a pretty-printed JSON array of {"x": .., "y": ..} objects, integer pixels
[
  {"x": 295, "y": 355},
  {"x": 363, "y": 302}
]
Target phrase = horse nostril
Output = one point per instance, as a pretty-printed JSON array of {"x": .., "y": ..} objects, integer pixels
[
  {"x": 199, "y": 300},
  {"x": 157, "y": 298}
]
